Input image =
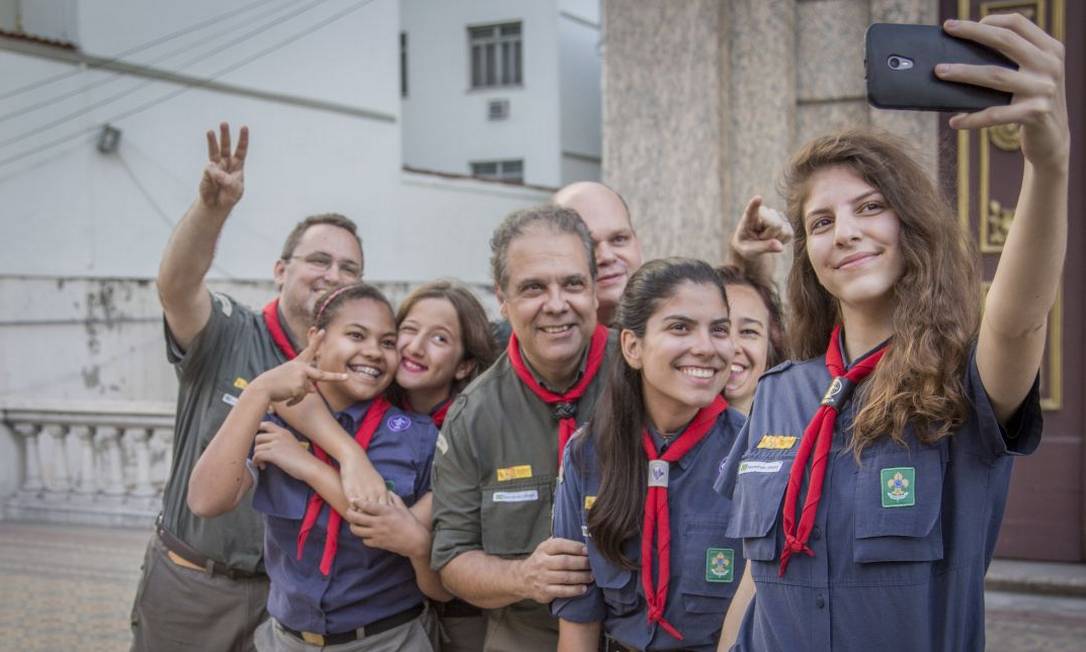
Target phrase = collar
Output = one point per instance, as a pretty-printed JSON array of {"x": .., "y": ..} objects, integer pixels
[
  {"x": 352, "y": 416},
  {"x": 689, "y": 458},
  {"x": 298, "y": 346},
  {"x": 576, "y": 379}
]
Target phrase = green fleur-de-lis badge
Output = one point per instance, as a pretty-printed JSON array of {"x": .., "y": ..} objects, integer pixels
[
  {"x": 898, "y": 486},
  {"x": 719, "y": 565}
]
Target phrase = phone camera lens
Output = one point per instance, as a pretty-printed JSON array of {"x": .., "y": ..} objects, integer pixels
[{"x": 895, "y": 63}]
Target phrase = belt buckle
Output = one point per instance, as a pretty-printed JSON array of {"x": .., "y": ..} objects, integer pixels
[{"x": 313, "y": 639}]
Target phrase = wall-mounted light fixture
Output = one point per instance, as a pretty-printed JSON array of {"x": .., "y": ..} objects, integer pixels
[{"x": 109, "y": 139}]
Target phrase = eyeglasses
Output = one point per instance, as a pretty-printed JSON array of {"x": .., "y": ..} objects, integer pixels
[{"x": 324, "y": 262}]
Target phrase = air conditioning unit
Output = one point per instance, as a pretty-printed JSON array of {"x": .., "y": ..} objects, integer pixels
[{"x": 497, "y": 109}]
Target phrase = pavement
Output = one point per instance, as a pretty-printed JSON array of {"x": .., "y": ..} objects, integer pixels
[{"x": 67, "y": 587}]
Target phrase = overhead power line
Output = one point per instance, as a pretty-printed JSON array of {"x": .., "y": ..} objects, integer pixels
[
  {"x": 116, "y": 76},
  {"x": 68, "y": 117},
  {"x": 172, "y": 94},
  {"x": 139, "y": 48}
]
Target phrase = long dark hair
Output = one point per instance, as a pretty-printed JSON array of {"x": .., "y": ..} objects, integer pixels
[
  {"x": 937, "y": 299},
  {"x": 620, "y": 414}
]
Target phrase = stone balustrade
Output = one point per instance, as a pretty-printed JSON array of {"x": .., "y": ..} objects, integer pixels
[{"x": 101, "y": 463}]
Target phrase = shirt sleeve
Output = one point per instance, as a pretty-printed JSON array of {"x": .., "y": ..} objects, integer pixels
[
  {"x": 455, "y": 482},
  {"x": 422, "y": 482},
  {"x": 1022, "y": 433},
  {"x": 226, "y": 319},
  {"x": 569, "y": 523}
]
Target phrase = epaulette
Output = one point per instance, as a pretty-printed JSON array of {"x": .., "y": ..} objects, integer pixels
[{"x": 784, "y": 366}]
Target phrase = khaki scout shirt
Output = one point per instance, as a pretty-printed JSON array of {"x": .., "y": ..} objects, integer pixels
[
  {"x": 232, "y": 349},
  {"x": 496, "y": 466}
]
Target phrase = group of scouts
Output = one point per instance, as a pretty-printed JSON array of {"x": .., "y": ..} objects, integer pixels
[{"x": 352, "y": 476}]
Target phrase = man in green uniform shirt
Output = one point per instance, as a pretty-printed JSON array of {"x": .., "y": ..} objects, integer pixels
[
  {"x": 203, "y": 585},
  {"x": 497, "y": 457}
]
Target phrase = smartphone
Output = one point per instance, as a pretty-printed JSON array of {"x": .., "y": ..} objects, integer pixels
[{"x": 900, "y": 69}]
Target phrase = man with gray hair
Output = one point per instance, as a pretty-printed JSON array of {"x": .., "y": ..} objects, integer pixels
[{"x": 497, "y": 460}]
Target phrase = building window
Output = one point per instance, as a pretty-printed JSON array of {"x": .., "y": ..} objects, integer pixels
[
  {"x": 403, "y": 64},
  {"x": 511, "y": 171},
  {"x": 495, "y": 55}
]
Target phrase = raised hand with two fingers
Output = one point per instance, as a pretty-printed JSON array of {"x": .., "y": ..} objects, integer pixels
[{"x": 294, "y": 380}]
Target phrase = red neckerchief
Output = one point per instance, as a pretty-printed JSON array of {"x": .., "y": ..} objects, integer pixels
[
  {"x": 817, "y": 436},
  {"x": 370, "y": 422},
  {"x": 657, "y": 522},
  {"x": 565, "y": 405},
  {"x": 279, "y": 336},
  {"x": 438, "y": 415}
]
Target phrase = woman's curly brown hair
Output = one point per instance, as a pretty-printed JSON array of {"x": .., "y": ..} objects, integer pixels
[{"x": 937, "y": 303}]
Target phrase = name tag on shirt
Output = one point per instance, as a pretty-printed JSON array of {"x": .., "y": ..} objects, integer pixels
[
  {"x": 229, "y": 399},
  {"x": 777, "y": 442},
  {"x": 525, "y": 496},
  {"x": 515, "y": 472},
  {"x": 759, "y": 467}
]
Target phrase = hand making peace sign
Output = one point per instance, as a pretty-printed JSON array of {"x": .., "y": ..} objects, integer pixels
[{"x": 292, "y": 381}]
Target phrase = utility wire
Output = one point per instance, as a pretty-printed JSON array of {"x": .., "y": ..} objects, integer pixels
[
  {"x": 68, "y": 117},
  {"x": 158, "y": 209},
  {"x": 169, "y": 96},
  {"x": 115, "y": 76},
  {"x": 139, "y": 48}
]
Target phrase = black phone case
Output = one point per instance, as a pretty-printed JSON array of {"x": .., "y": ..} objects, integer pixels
[{"x": 918, "y": 88}]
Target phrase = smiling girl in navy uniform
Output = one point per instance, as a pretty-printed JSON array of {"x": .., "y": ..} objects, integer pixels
[
  {"x": 636, "y": 482},
  {"x": 444, "y": 342},
  {"x": 870, "y": 481},
  {"x": 328, "y": 587}
]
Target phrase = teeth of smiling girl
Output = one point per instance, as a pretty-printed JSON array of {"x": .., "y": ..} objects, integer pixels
[
  {"x": 554, "y": 330},
  {"x": 365, "y": 369},
  {"x": 698, "y": 372}
]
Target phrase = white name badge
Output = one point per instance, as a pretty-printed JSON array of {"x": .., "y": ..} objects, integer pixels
[
  {"x": 525, "y": 496},
  {"x": 229, "y": 399},
  {"x": 658, "y": 470},
  {"x": 759, "y": 467}
]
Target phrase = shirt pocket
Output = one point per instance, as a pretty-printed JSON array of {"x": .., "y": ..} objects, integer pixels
[
  {"x": 711, "y": 567},
  {"x": 618, "y": 585},
  {"x": 756, "y": 503},
  {"x": 910, "y": 528},
  {"x": 516, "y": 516},
  {"x": 280, "y": 495}
]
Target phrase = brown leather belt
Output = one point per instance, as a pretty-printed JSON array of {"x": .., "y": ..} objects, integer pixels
[
  {"x": 372, "y": 629},
  {"x": 182, "y": 554}
]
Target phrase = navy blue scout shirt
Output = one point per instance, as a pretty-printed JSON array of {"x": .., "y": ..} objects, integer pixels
[
  {"x": 366, "y": 584},
  {"x": 902, "y": 540},
  {"x": 705, "y": 564}
]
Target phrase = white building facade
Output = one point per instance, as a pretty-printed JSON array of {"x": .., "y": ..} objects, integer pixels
[
  {"x": 85, "y": 391},
  {"x": 508, "y": 89}
]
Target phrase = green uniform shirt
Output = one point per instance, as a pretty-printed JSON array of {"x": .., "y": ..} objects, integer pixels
[
  {"x": 232, "y": 349},
  {"x": 496, "y": 465}
]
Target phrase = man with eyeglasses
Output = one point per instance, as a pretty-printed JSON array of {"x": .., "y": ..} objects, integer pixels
[{"x": 203, "y": 584}]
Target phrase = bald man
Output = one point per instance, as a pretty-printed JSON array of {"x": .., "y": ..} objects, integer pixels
[{"x": 617, "y": 249}]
